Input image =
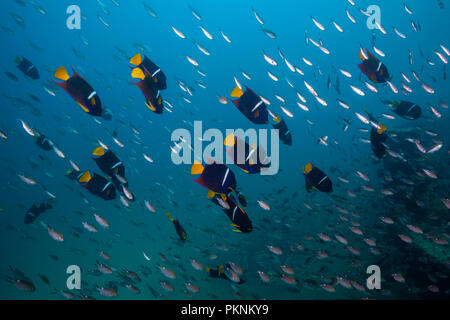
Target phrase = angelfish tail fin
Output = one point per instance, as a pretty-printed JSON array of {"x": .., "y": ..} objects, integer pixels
[
  {"x": 136, "y": 59},
  {"x": 61, "y": 74},
  {"x": 237, "y": 92}
]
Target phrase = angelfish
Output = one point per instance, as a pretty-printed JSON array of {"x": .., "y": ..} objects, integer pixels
[{"x": 178, "y": 228}]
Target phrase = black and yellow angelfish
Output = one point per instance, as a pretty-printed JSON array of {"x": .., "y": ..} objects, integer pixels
[
  {"x": 250, "y": 159},
  {"x": 178, "y": 228},
  {"x": 378, "y": 137},
  {"x": 406, "y": 110},
  {"x": 27, "y": 67},
  {"x": 251, "y": 105},
  {"x": 239, "y": 218},
  {"x": 283, "y": 131},
  {"x": 94, "y": 183},
  {"x": 215, "y": 176},
  {"x": 110, "y": 164},
  {"x": 317, "y": 179},
  {"x": 373, "y": 68},
  {"x": 81, "y": 91},
  {"x": 149, "y": 85},
  {"x": 144, "y": 63}
]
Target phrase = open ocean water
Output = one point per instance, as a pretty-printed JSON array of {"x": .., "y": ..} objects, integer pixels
[{"x": 391, "y": 212}]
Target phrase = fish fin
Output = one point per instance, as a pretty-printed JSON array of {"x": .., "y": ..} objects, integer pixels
[
  {"x": 277, "y": 119},
  {"x": 210, "y": 194},
  {"x": 373, "y": 77},
  {"x": 61, "y": 74},
  {"x": 224, "y": 197},
  {"x": 83, "y": 107},
  {"x": 85, "y": 177},
  {"x": 17, "y": 60},
  {"x": 307, "y": 168},
  {"x": 382, "y": 129},
  {"x": 237, "y": 92},
  {"x": 234, "y": 225},
  {"x": 254, "y": 146},
  {"x": 75, "y": 73},
  {"x": 136, "y": 59},
  {"x": 137, "y": 73},
  {"x": 197, "y": 168},
  {"x": 362, "y": 67},
  {"x": 246, "y": 171},
  {"x": 168, "y": 215},
  {"x": 229, "y": 140},
  {"x": 100, "y": 151},
  {"x": 236, "y": 230},
  {"x": 150, "y": 106},
  {"x": 370, "y": 55},
  {"x": 207, "y": 269},
  {"x": 361, "y": 56},
  {"x": 394, "y": 104}
]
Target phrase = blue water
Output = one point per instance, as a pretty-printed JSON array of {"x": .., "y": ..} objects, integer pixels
[{"x": 48, "y": 43}]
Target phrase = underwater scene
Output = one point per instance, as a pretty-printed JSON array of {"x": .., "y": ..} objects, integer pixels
[{"x": 209, "y": 150}]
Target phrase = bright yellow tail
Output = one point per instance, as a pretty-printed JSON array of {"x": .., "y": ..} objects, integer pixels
[
  {"x": 197, "y": 168},
  {"x": 62, "y": 74},
  {"x": 237, "y": 92},
  {"x": 137, "y": 59}
]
